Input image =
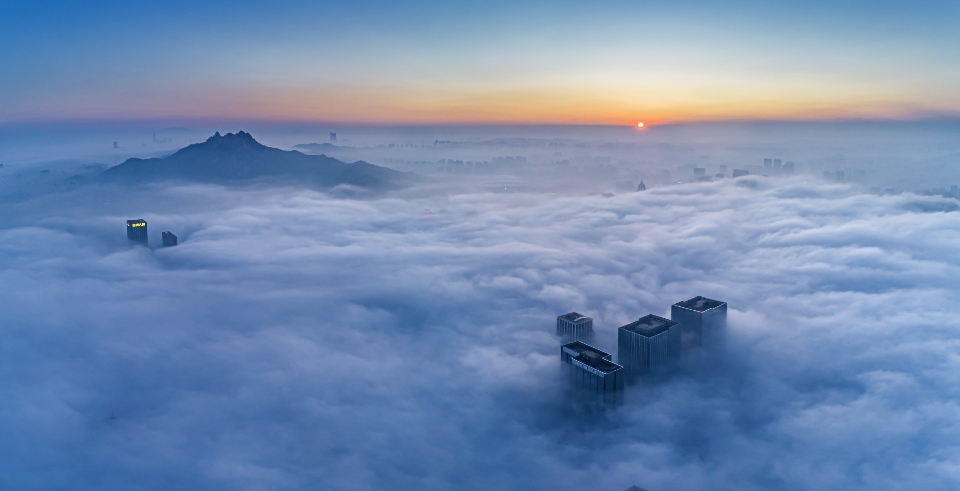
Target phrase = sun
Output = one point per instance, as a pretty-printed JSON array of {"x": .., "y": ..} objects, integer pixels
[{"x": 640, "y": 125}]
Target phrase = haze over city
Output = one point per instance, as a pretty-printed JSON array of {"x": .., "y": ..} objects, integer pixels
[{"x": 458, "y": 246}]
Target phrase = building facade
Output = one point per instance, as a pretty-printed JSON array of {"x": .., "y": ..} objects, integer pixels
[
  {"x": 137, "y": 231},
  {"x": 574, "y": 326},
  {"x": 648, "y": 344},
  {"x": 169, "y": 239},
  {"x": 592, "y": 374},
  {"x": 702, "y": 321}
]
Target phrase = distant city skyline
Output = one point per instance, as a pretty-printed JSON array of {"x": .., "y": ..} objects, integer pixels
[{"x": 450, "y": 62}]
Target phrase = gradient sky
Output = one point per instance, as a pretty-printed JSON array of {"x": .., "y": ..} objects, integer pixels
[{"x": 370, "y": 61}]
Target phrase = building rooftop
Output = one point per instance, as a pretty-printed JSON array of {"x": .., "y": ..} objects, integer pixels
[
  {"x": 649, "y": 325},
  {"x": 579, "y": 349},
  {"x": 599, "y": 364},
  {"x": 700, "y": 304},
  {"x": 574, "y": 317}
]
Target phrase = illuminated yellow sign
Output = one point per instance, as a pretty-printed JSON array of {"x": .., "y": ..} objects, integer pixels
[{"x": 138, "y": 224}]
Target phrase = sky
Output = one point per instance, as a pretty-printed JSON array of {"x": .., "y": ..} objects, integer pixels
[
  {"x": 375, "y": 62},
  {"x": 296, "y": 340}
]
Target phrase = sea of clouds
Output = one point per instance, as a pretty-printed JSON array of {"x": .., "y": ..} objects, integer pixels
[{"x": 294, "y": 340}]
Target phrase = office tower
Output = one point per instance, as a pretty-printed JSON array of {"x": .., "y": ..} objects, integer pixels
[
  {"x": 767, "y": 164},
  {"x": 788, "y": 168},
  {"x": 699, "y": 171},
  {"x": 740, "y": 172},
  {"x": 777, "y": 165},
  {"x": 169, "y": 239},
  {"x": 641, "y": 187},
  {"x": 137, "y": 231},
  {"x": 333, "y": 136},
  {"x": 702, "y": 322},
  {"x": 648, "y": 344},
  {"x": 591, "y": 373},
  {"x": 573, "y": 326}
]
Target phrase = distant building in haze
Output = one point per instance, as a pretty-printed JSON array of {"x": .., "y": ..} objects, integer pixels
[
  {"x": 648, "y": 344},
  {"x": 740, "y": 172},
  {"x": 702, "y": 322},
  {"x": 333, "y": 136},
  {"x": 641, "y": 187},
  {"x": 788, "y": 168},
  {"x": 777, "y": 165},
  {"x": 699, "y": 171},
  {"x": 137, "y": 231},
  {"x": 169, "y": 239},
  {"x": 767, "y": 164},
  {"x": 591, "y": 372},
  {"x": 574, "y": 326}
]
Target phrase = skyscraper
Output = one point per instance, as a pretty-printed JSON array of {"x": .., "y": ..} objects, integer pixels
[
  {"x": 767, "y": 164},
  {"x": 591, "y": 373},
  {"x": 169, "y": 239},
  {"x": 137, "y": 231},
  {"x": 777, "y": 165},
  {"x": 333, "y": 136},
  {"x": 648, "y": 344},
  {"x": 641, "y": 187},
  {"x": 702, "y": 322},
  {"x": 574, "y": 326}
]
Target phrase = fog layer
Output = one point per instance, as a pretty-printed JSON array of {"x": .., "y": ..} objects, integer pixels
[{"x": 296, "y": 341}]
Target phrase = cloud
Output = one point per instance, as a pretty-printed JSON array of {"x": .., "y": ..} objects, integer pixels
[{"x": 299, "y": 341}]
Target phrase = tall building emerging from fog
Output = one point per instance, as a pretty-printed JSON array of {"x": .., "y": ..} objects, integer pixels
[
  {"x": 137, "y": 231},
  {"x": 333, "y": 136},
  {"x": 591, "y": 372},
  {"x": 169, "y": 239},
  {"x": 573, "y": 326},
  {"x": 647, "y": 344},
  {"x": 702, "y": 322}
]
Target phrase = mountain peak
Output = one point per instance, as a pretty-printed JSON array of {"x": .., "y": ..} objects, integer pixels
[{"x": 238, "y": 140}]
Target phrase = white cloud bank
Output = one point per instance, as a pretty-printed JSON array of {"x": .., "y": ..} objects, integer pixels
[{"x": 293, "y": 341}]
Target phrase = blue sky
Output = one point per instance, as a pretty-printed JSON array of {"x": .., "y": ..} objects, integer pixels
[{"x": 545, "y": 62}]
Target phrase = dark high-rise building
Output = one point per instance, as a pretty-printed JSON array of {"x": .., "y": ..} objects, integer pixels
[
  {"x": 702, "y": 322},
  {"x": 591, "y": 373},
  {"x": 137, "y": 231},
  {"x": 169, "y": 239},
  {"x": 574, "y": 326},
  {"x": 648, "y": 344},
  {"x": 641, "y": 187}
]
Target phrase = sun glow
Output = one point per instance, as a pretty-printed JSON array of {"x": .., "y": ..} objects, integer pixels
[{"x": 639, "y": 125}]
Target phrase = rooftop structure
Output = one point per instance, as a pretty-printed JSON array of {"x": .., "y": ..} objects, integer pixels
[
  {"x": 137, "y": 231},
  {"x": 702, "y": 322},
  {"x": 578, "y": 348},
  {"x": 169, "y": 239},
  {"x": 574, "y": 326},
  {"x": 699, "y": 304},
  {"x": 591, "y": 373},
  {"x": 648, "y": 344}
]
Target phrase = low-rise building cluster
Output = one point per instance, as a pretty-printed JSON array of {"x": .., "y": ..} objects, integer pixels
[{"x": 648, "y": 345}]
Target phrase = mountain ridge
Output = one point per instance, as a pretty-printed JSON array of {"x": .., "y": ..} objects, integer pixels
[{"x": 238, "y": 157}]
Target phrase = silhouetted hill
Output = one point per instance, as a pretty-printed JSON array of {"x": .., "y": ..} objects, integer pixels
[{"x": 234, "y": 158}]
